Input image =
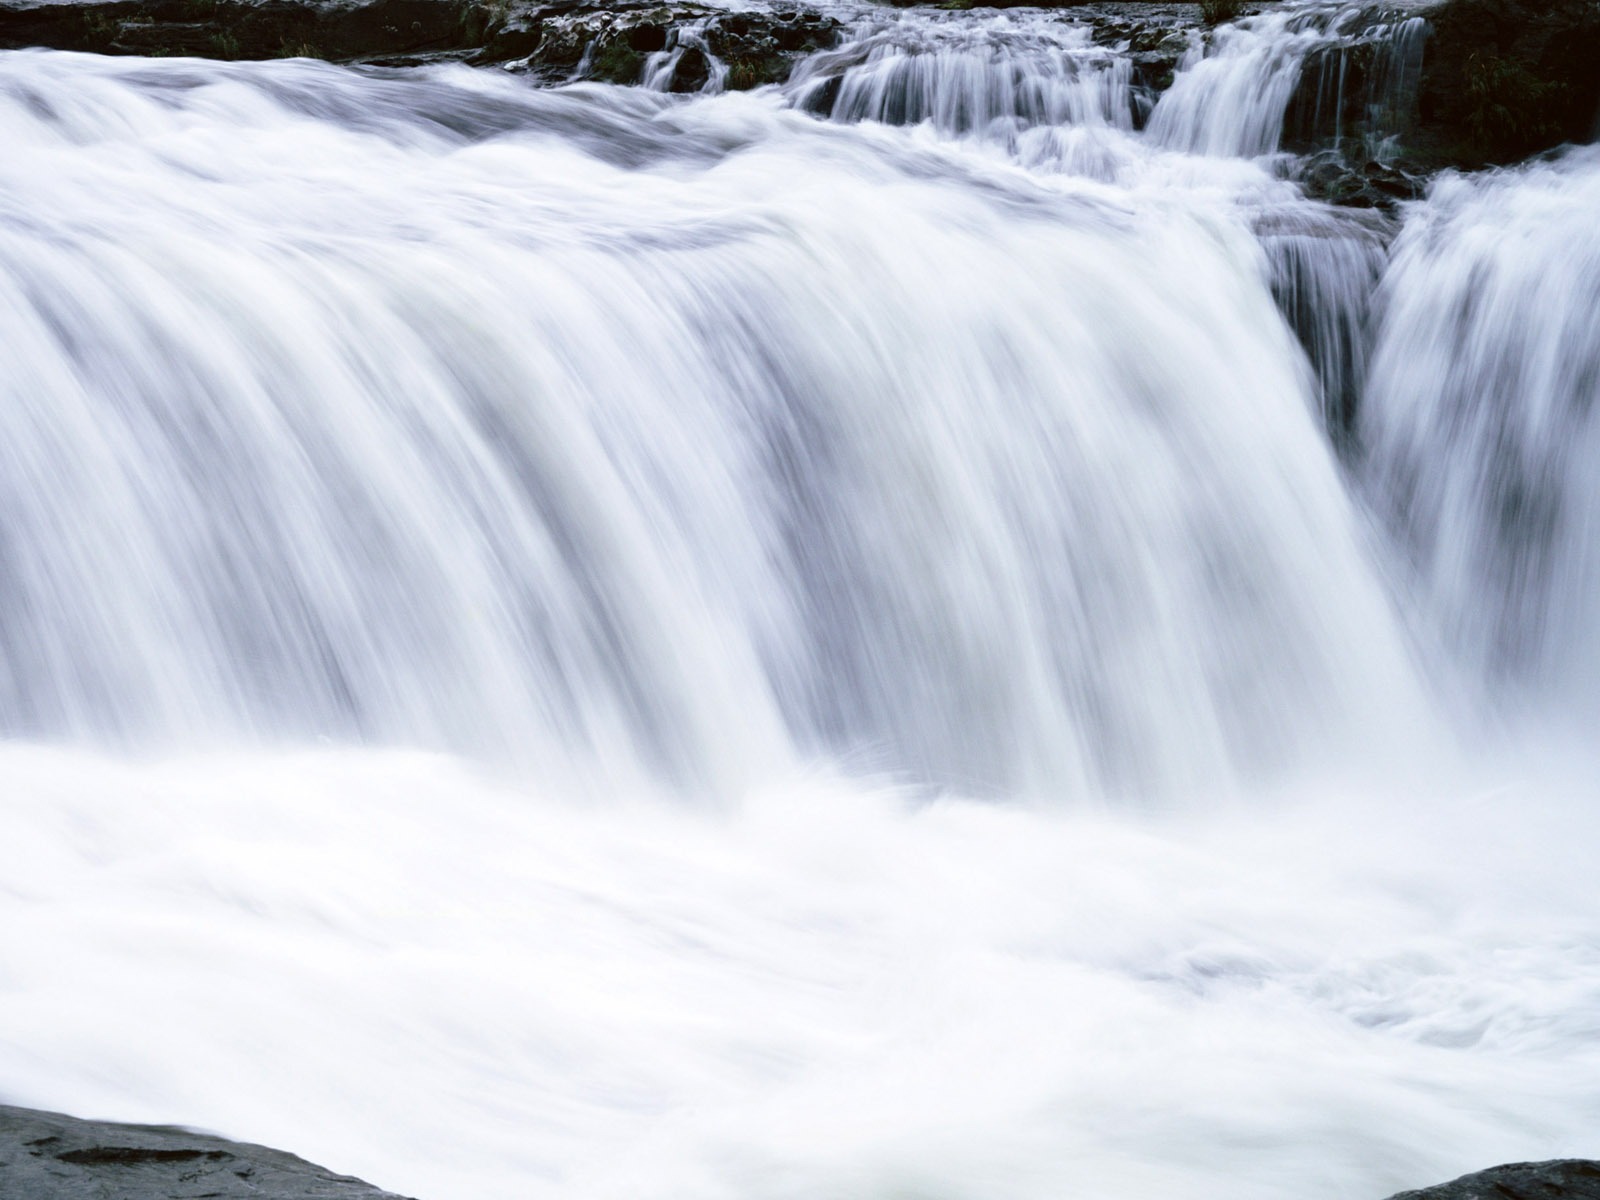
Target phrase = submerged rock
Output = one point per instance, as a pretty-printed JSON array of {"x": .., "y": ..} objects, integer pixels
[
  {"x": 1560, "y": 1179},
  {"x": 48, "y": 1156}
]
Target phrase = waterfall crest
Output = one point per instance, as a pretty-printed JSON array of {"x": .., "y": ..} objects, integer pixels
[{"x": 487, "y": 443}]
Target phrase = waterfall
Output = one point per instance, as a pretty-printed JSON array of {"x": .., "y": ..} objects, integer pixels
[
  {"x": 1325, "y": 270},
  {"x": 926, "y": 630},
  {"x": 966, "y": 73},
  {"x": 1479, "y": 419},
  {"x": 623, "y": 473},
  {"x": 1234, "y": 100}
]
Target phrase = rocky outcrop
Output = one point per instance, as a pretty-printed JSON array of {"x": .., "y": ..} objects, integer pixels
[
  {"x": 47, "y": 1156},
  {"x": 1561, "y": 1179},
  {"x": 1465, "y": 84},
  {"x": 1155, "y": 38},
  {"x": 364, "y": 29},
  {"x": 1356, "y": 182},
  {"x": 619, "y": 43},
  {"x": 1503, "y": 79},
  {"x": 611, "y": 42}
]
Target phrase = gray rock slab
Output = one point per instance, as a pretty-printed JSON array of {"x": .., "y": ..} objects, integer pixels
[
  {"x": 1559, "y": 1179},
  {"x": 48, "y": 1156}
]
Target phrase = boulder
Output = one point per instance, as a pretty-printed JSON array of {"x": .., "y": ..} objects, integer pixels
[
  {"x": 47, "y": 1156},
  {"x": 1559, "y": 1179}
]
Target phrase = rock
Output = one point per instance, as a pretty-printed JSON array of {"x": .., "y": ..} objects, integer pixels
[
  {"x": 1358, "y": 184},
  {"x": 1155, "y": 38},
  {"x": 615, "y": 44},
  {"x": 1504, "y": 79},
  {"x": 606, "y": 42},
  {"x": 1560, "y": 1179},
  {"x": 364, "y": 29},
  {"x": 47, "y": 1156},
  {"x": 1364, "y": 89}
]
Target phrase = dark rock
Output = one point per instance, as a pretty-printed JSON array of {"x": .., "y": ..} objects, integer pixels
[
  {"x": 1560, "y": 1179},
  {"x": 614, "y": 45},
  {"x": 47, "y": 1156},
  {"x": 1504, "y": 79},
  {"x": 241, "y": 28},
  {"x": 1154, "y": 38},
  {"x": 1356, "y": 184},
  {"x": 557, "y": 41}
]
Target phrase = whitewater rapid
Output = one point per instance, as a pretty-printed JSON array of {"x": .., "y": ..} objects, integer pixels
[{"x": 586, "y": 642}]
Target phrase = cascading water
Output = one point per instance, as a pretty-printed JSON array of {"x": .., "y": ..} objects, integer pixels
[
  {"x": 1480, "y": 420},
  {"x": 596, "y": 643},
  {"x": 983, "y": 74}
]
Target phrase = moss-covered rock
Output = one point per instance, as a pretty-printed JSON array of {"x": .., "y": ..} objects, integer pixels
[{"x": 1504, "y": 79}]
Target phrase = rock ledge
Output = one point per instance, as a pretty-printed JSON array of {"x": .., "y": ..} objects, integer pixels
[
  {"x": 48, "y": 1156},
  {"x": 1559, "y": 1179}
]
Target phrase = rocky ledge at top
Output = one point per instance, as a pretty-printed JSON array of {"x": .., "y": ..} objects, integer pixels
[
  {"x": 48, "y": 1156},
  {"x": 609, "y": 41},
  {"x": 1500, "y": 80}
]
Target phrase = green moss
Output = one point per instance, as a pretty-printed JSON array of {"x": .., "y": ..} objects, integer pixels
[
  {"x": 1508, "y": 108},
  {"x": 1220, "y": 12},
  {"x": 614, "y": 62},
  {"x": 479, "y": 22},
  {"x": 224, "y": 45},
  {"x": 99, "y": 30}
]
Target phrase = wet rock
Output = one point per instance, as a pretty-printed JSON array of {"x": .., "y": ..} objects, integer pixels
[
  {"x": 616, "y": 44},
  {"x": 1358, "y": 184},
  {"x": 47, "y": 1156},
  {"x": 1504, "y": 79},
  {"x": 1154, "y": 39},
  {"x": 1560, "y": 1179},
  {"x": 1357, "y": 93},
  {"x": 611, "y": 42},
  {"x": 366, "y": 29}
]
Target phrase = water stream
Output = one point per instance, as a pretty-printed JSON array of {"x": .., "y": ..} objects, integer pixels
[{"x": 930, "y": 631}]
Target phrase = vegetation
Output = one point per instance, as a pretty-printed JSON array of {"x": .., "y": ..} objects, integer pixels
[
  {"x": 1220, "y": 12},
  {"x": 1508, "y": 107}
]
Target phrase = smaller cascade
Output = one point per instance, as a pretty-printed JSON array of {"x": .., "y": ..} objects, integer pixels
[
  {"x": 1325, "y": 264},
  {"x": 1307, "y": 77},
  {"x": 991, "y": 75},
  {"x": 1479, "y": 423},
  {"x": 1359, "y": 95},
  {"x": 685, "y": 63},
  {"x": 684, "y": 48}
]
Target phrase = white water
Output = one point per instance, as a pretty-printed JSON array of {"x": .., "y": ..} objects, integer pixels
[
  {"x": 584, "y": 643},
  {"x": 1484, "y": 441}
]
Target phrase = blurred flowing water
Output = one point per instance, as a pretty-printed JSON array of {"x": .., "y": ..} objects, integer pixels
[{"x": 938, "y": 630}]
